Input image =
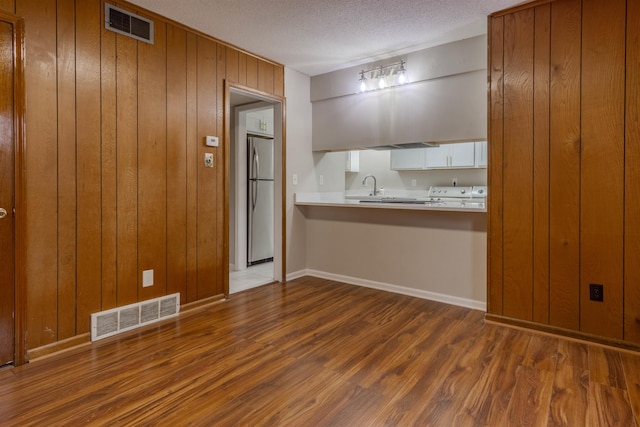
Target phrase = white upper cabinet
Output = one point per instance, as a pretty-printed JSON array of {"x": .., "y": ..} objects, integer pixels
[
  {"x": 408, "y": 159},
  {"x": 353, "y": 161},
  {"x": 482, "y": 157},
  {"x": 447, "y": 156},
  {"x": 260, "y": 122},
  {"x": 458, "y": 155}
]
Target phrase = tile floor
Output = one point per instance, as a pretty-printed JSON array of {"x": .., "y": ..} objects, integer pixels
[{"x": 251, "y": 277}]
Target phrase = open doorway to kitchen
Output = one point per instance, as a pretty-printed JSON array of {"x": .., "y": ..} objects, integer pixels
[{"x": 254, "y": 124}]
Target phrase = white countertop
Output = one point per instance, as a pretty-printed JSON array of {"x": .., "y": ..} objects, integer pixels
[{"x": 337, "y": 199}]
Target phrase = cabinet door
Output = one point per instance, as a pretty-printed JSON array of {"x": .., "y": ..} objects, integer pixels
[
  {"x": 481, "y": 154},
  {"x": 353, "y": 161},
  {"x": 253, "y": 124},
  {"x": 462, "y": 155},
  {"x": 438, "y": 157},
  {"x": 408, "y": 159},
  {"x": 260, "y": 122}
]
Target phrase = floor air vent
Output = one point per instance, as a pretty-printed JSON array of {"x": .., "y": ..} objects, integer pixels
[
  {"x": 123, "y": 22},
  {"x": 111, "y": 322}
]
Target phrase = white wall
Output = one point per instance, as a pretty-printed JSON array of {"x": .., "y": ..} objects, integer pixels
[{"x": 299, "y": 162}]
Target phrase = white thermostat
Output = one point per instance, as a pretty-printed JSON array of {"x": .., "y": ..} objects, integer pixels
[{"x": 211, "y": 141}]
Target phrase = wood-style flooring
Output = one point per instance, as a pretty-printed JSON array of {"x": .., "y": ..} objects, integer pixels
[{"x": 314, "y": 352}]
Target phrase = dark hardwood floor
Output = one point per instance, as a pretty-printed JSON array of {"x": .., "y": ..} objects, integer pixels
[{"x": 315, "y": 352}]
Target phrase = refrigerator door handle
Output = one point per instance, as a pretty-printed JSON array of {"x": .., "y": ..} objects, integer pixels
[
  {"x": 256, "y": 161},
  {"x": 256, "y": 176},
  {"x": 254, "y": 194}
]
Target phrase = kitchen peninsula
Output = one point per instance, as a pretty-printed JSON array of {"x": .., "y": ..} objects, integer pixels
[
  {"x": 429, "y": 251},
  {"x": 337, "y": 199}
]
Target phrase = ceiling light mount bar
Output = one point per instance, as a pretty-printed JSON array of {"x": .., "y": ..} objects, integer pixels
[{"x": 383, "y": 76}]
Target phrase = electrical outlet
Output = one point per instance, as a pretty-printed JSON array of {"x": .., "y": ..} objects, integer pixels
[
  {"x": 596, "y": 292},
  {"x": 321, "y": 179},
  {"x": 454, "y": 181},
  {"x": 208, "y": 160}
]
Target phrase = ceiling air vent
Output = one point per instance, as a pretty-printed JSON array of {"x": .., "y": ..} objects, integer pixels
[{"x": 127, "y": 23}]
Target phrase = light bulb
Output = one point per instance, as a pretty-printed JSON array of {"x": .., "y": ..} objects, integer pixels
[
  {"x": 363, "y": 82},
  {"x": 402, "y": 79},
  {"x": 381, "y": 83}
]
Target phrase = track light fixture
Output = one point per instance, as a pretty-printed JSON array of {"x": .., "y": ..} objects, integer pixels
[{"x": 383, "y": 76}]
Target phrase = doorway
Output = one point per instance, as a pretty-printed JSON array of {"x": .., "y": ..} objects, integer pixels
[
  {"x": 242, "y": 106},
  {"x": 12, "y": 344}
]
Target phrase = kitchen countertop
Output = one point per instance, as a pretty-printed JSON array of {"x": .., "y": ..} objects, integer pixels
[{"x": 337, "y": 199}]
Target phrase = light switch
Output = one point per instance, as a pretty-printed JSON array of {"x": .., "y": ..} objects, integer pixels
[
  {"x": 147, "y": 278},
  {"x": 321, "y": 179},
  {"x": 208, "y": 160},
  {"x": 211, "y": 141},
  {"x": 295, "y": 179}
]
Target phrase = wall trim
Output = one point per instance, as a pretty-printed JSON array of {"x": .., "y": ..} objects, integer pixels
[
  {"x": 562, "y": 333},
  {"x": 418, "y": 293}
]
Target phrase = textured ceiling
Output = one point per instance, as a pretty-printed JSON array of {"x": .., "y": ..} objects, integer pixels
[{"x": 318, "y": 36}]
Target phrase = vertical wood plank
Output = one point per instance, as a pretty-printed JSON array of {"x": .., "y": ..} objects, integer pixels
[
  {"x": 517, "y": 165},
  {"x": 8, "y": 6},
  {"x": 495, "y": 208},
  {"x": 10, "y": 335},
  {"x": 242, "y": 68},
  {"x": 541, "y": 165},
  {"x": 252, "y": 72},
  {"x": 207, "y": 108},
  {"x": 109, "y": 165},
  {"x": 265, "y": 76},
  {"x": 564, "y": 165},
  {"x": 192, "y": 163},
  {"x": 602, "y": 171},
  {"x": 632, "y": 182},
  {"x": 41, "y": 187},
  {"x": 66, "y": 61},
  {"x": 278, "y": 81},
  {"x": 152, "y": 163},
  {"x": 176, "y": 160},
  {"x": 232, "y": 69},
  {"x": 127, "y": 177},
  {"x": 88, "y": 170},
  {"x": 222, "y": 246}
]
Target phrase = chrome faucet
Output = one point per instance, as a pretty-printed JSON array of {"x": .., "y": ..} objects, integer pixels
[{"x": 375, "y": 188}]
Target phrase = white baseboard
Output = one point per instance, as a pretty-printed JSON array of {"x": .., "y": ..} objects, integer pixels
[
  {"x": 433, "y": 296},
  {"x": 298, "y": 274}
]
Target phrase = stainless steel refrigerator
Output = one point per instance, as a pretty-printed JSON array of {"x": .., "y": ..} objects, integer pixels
[{"x": 260, "y": 200}]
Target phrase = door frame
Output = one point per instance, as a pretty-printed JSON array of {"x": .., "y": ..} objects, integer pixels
[
  {"x": 19, "y": 213},
  {"x": 279, "y": 121}
]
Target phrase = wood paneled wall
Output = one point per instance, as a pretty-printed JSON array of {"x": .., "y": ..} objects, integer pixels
[
  {"x": 115, "y": 177},
  {"x": 564, "y": 210}
]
